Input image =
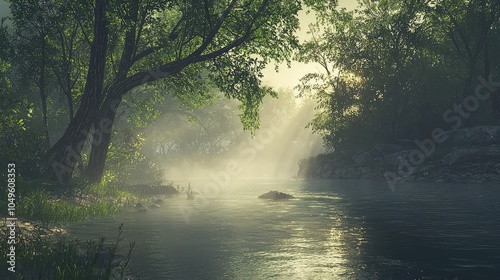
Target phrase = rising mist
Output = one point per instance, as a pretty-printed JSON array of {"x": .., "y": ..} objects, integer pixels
[{"x": 193, "y": 144}]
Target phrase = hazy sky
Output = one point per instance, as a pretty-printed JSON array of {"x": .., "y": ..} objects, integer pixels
[{"x": 288, "y": 78}]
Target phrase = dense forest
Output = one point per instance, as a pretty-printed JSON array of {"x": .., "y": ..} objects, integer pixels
[
  {"x": 70, "y": 70},
  {"x": 408, "y": 89},
  {"x": 83, "y": 80},
  {"x": 104, "y": 102},
  {"x": 393, "y": 68}
]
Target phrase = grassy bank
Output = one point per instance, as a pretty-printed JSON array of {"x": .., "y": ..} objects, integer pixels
[
  {"x": 44, "y": 253},
  {"x": 43, "y": 207},
  {"x": 40, "y": 255}
]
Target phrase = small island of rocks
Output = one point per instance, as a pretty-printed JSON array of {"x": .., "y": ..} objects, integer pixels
[{"x": 275, "y": 195}]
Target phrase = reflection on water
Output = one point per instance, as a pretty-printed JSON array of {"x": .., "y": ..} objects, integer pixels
[{"x": 332, "y": 230}]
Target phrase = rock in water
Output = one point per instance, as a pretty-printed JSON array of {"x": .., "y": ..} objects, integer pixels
[
  {"x": 275, "y": 195},
  {"x": 140, "y": 208},
  {"x": 158, "y": 201}
]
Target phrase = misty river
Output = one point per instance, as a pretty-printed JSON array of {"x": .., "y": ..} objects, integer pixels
[{"x": 333, "y": 229}]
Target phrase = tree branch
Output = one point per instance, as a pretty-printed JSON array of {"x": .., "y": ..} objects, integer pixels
[
  {"x": 215, "y": 29},
  {"x": 174, "y": 67}
]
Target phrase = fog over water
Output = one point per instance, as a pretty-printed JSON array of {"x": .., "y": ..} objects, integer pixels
[
  {"x": 273, "y": 151},
  {"x": 142, "y": 116}
]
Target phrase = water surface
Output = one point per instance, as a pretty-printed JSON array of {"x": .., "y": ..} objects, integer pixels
[{"x": 334, "y": 229}]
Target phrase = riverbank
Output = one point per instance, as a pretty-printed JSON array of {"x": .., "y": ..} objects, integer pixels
[
  {"x": 37, "y": 233},
  {"x": 48, "y": 208},
  {"x": 468, "y": 155}
]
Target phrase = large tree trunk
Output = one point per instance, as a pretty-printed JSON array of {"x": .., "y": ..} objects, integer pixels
[
  {"x": 100, "y": 141},
  {"x": 67, "y": 151},
  {"x": 98, "y": 156},
  {"x": 104, "y": 123},
  {"x": 103, "y": 127},
  {"x": 93, "y": 110}
]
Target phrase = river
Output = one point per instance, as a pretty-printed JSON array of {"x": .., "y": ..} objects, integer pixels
[{"x": 333, "y": 229}]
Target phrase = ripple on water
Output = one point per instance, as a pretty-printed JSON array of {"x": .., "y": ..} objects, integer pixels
[{"x": 341, "y": 230}]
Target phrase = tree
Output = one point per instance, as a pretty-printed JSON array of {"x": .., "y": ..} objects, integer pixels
[
  {"x": 372, "y": 59},
  {"x": 32, "y": 23},
  {"x": 200, "y": 134},
  {"x": 49, "y": 51},
  {"x": 391, "y": 67},
  {"x": 470, "y": 27},
  {"x": 21, "y": 139},
  {"x": 232, "y": 40}
]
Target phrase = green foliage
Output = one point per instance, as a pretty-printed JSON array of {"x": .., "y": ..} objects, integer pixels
[
  {"x": 45, "y": 256},
  {"x": 21, "y": 140},
  {"x": 45, "y": 55},
  {"x": 235, "y": 72},
  {"x": 37, "y": 206},
  {"x": 49, "y": 203},
  {"x": 199, "y": 134},
  {"x": 48, "y": 211},
  {"x": 390, "y": 63},
  {"x": 126, "y": 162},
  {"x": 194, "y": 47}
]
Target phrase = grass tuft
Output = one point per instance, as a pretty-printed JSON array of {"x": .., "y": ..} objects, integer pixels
[{"x": 42, "y": 256}]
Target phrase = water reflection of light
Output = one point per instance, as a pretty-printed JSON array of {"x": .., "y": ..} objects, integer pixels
[{"x": 317, "y": 249}]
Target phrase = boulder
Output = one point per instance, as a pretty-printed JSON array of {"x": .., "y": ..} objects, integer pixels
[
  {"x": 370, "y": 156},
  {"x": 364, "y": 158},
  {"x": 140, "y": 208},
  {"x": 349, "y": 173},
  {"x": 478, "y": 135},
  {"x": 470, "y": 154},
  {"x": 158, "y": 201},
  {"x": 275, "y": 195},
  {"x": 393, "y": 162}
]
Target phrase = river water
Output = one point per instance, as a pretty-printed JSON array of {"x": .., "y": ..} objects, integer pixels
[{"x": 333, "y": 229}]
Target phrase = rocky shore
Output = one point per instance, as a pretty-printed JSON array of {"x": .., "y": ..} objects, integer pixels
[{"x": 468, "y": 155}]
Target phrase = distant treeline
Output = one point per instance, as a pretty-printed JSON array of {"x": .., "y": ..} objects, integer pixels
[
  {"x": 399, "y": 69},
  {"x": 80, "y": 81}
]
